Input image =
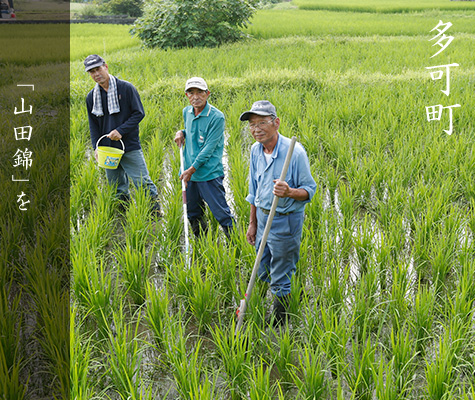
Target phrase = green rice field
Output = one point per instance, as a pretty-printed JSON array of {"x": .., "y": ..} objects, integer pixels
[
  {"x": 383, "y": 298},
  {"x": 34, "y": 250}
]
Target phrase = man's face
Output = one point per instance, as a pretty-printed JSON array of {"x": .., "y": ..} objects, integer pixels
[
  {"x": 100, "y": 74},
  {"x": 197, "y": 97},
  {"x": 263, "y": 128}
]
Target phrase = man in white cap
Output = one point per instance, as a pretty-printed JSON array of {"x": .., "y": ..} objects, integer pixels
[
  {"x": 203, "y": 138},
  {"x": 114, "y": 109},
  {"x": 282, "y": 248}
]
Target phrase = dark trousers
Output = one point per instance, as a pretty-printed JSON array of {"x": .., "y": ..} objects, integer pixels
[{"x": 212, "y": 192}]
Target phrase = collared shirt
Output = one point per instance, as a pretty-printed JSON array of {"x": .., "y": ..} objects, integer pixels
[
  {"x": 204, "y": 143},
  {"x": 262, "y": 175}
]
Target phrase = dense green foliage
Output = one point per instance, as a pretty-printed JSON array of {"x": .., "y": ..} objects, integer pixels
[
  {"x": 191, "y": 23},
  {"x": 386, "y": 277},
  {"x": 133, "y": 8}
]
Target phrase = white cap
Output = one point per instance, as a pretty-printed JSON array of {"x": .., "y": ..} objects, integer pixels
[{"x": 196, "y": 82}]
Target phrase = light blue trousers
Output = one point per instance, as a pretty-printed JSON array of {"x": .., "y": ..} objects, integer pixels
[
  {"x": 282, "y": 250},
  {"x": 132, "y": 166}
]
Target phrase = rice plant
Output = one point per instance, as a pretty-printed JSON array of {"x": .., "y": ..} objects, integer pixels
[
  {"x": 260, "y": 387},
  {"x": 219, "y": 262},
  {"x": 83, "y": 190},
  {"x": 11, "y": 363},
  {"x": 309, "y": 374},
  {"x": 366, "y": 305},
  {"x": 335, "y": 289},
  {"x": 399, "y": 302},
  {"x": 94, "y": 288},
  {"x": 47, "y": 289},
  {"x": 462, "y": 304},
  {"x": 442, "y": 259},
  {"x": 124, "y": 355},
  {"x": 346, "y": 198},
  {"x": 363, "y": 245},
  {"x": 138, "y": 226},
  {"x": 360, "y": 374},
  {"x": 173, "y": 224},
  {"x": 439, "y": 371},
  {"x": 157, "y": 313},
  {"x": 81, "y": 359},
  {"x": 403, "y": 363},
  {"x": 283, "y": 356},
  {"x": 234, "y": 351},
  {"x": 382, "y": 260},
  {"x": 336, "y": 332},
  {"x": 135, "y": 266},
  {"x": 423, "y": 317},
  {"x": 11, "y": 384},
  {"x": 187, "y": 367},
  {"x": 203, "y": 298}
]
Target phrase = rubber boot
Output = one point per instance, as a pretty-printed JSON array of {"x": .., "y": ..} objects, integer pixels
[
  {"x": 199, "y": 227},
  {"x": 227, "y": 231},
  {"x": 123, "y": 202},
  {"x": 155, "y": 207},
  {"x": 261, "y": 288},
  {"x": 280, "y": 310}
]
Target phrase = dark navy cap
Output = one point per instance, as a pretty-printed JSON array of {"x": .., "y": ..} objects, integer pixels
[{"x": 93, "y": 61}]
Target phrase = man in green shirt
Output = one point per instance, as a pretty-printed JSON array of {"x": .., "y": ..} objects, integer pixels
[{"x": 203, "y": 140}]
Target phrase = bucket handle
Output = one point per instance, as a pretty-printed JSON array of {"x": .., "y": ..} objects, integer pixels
[{"x": 120, "y": 140}]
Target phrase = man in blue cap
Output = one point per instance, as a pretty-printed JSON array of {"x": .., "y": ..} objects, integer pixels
[
  {"x": 203, "y": 138},
  {"x": 282, "y": 249},
  {"x": 114, "y": 109}
]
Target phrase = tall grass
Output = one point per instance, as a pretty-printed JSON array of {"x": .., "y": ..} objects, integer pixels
[
  {"x": 404, "y": 6},
  {"x": 267, "y": 24}
]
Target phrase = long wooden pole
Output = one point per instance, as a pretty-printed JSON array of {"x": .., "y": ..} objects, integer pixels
[{"x": 260, "y": 252}]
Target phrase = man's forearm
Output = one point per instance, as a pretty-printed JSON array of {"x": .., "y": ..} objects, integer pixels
[
  {"x": 253, "y": 215},
  {"x": 298, "y": 194}
]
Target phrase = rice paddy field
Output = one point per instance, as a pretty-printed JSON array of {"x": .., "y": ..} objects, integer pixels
[{"x": 383, "y": 298}]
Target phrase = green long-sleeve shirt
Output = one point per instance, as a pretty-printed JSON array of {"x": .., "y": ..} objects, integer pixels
[{"x": 204, "y": 142}]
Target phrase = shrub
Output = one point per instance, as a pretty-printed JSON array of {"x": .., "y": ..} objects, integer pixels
[
  {"x": 193, "y": 23},
  {"x": 132, "y": 8},
  {"x": 88, "y": 11}
]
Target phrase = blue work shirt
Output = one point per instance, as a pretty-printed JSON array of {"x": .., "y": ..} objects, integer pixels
[
  {"x": 204, "y": 142},
  {"x": 262, "y": 175}
]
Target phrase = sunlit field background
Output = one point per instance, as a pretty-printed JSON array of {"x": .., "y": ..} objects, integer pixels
[{"x": 382, "y": 302}]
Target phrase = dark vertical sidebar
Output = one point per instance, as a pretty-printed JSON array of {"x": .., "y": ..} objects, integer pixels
[{"x": 34, "y": 203}]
